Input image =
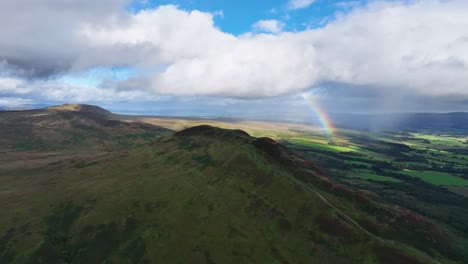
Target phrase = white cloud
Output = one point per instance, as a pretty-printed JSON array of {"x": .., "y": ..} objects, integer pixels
[
  {"x": 218, "y": 13},
  {"x": 417, "y": 47},
  {"x": 15, "y": 90},
  {"x": 8, "y": 84},
  {"x": 13, "y": 101},
  {"x": 299, "y": 4},
  {"x": 201, "y": 59},
  {"x": 269, "y": 26},
  {"x": 349, "y": 4}
]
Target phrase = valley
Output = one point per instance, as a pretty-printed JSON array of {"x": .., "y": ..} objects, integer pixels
[{"x": 80, "y": 184}]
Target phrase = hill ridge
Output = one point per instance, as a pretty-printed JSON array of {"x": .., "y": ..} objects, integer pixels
[{"x": 86, "y": 108}]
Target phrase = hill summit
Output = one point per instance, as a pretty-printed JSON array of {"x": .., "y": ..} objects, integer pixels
[{"x": 80, "y": 108}]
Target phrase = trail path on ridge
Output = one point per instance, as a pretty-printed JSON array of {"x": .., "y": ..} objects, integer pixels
[{"x": 347, "y": 217}]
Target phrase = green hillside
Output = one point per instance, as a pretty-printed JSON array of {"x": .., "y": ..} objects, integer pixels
[
  {"x": 202, "y": 195},
  {"x": 71, "y": 128}
]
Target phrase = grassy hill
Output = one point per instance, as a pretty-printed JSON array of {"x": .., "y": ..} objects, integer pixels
[
  {"x": 72, "y": 128},
  {"x": 201, "y": 195}
]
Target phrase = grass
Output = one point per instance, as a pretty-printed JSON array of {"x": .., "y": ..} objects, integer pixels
[
  {"x": 135, "y": 206},
  {"x": 443, "y": 140},
  {"x": 361, "y": 163},
  {"x": 375, "y": 177},
  {"x": 200, "y": 187},
  {"x": 322, "y": 146},
  {"x": 437, "y": 178}
]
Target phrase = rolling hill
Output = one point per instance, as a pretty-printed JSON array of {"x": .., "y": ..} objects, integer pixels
[
  {"x": 200, "y": 195},
  {"x": 71, "y": 127}
]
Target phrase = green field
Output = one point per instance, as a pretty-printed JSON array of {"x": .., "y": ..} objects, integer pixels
[
  {"x": 442, "y": 140},
  {"x": 437, "y": 178},
  {"x": 434, "y": 154},
  {"x": 318, "y": 144},
  {"x": 418, "y": 171},
  {"x": 372, "y": 176}
]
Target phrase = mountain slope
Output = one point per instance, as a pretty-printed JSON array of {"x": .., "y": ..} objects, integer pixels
[
  {"x": 71, "y": 127},
  {"x": 204, "y": 195}
]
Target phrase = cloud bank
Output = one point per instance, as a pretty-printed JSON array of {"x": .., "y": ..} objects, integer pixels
[{"x": 400, "y": 47}]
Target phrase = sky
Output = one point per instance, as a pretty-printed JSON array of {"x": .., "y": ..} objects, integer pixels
[{"x": 241, "y": 58}]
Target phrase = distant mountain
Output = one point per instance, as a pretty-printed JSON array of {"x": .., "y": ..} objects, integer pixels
[
  {"x": 437, "y": 122},
  {"x": 69, "y": 126},
  {"x": 201, "y": 195},
  {"x": 23, "y": 107}
]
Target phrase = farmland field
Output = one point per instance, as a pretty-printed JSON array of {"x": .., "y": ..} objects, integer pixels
[
  {"x": 372, "y": 176},
  {"x": 437, "y": 178}
]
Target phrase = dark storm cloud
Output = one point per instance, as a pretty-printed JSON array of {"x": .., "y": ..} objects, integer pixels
[{"x": 40, "y": 38}]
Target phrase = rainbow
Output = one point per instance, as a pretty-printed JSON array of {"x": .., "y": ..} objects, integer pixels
[{"x": 319, "y": 113}]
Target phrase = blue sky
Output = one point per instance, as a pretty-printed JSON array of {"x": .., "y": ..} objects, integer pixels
[
  {"x": 233, "y": 17},
  {"x": 237, "y": 17},
  {"x": 236, "y": 58}
]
